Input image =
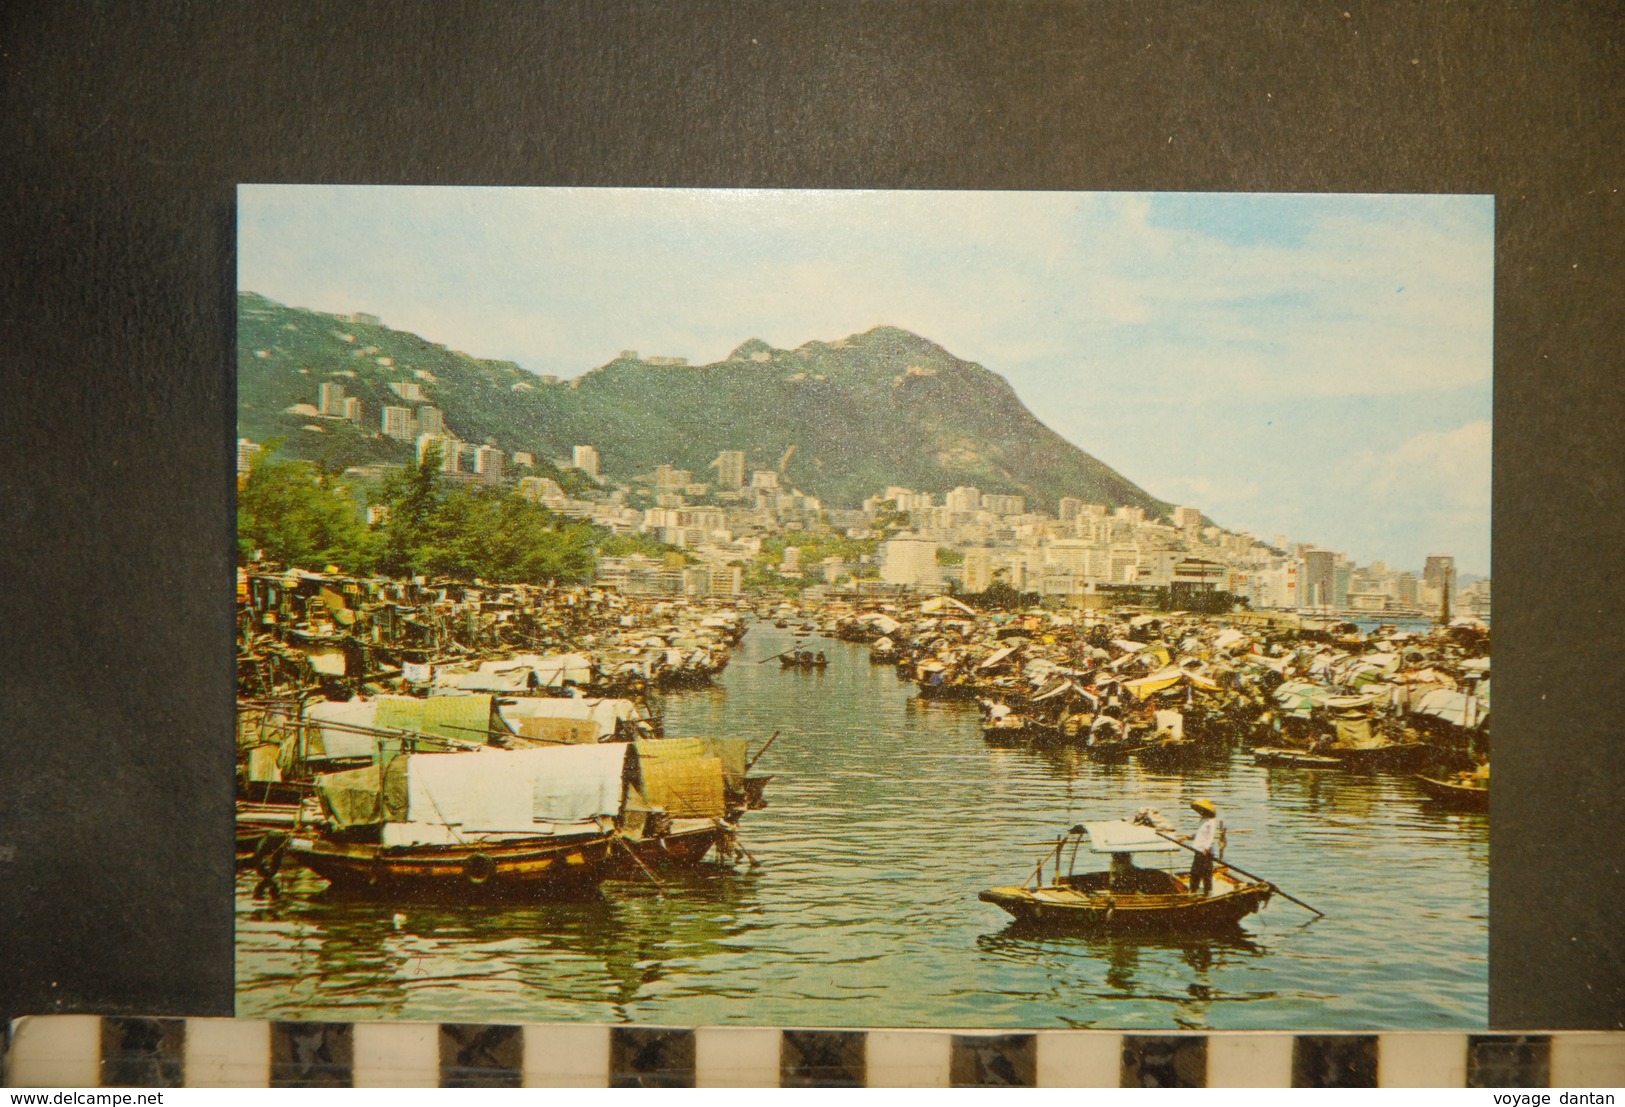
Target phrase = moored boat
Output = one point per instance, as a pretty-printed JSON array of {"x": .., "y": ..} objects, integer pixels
[
  {"x": 482, "y": 866},
  {"x": 1464, "y": 792},
  {"x": 1291, "y": 758},
  {"x": 1127, "y": 899}
]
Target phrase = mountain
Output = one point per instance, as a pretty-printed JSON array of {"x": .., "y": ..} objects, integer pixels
[{"x": 885, "y": 407}]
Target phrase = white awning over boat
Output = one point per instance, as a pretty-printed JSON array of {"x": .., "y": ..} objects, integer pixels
[
  {"x": 515, "y": 790},
  {"x": 1122, "y": 836}
]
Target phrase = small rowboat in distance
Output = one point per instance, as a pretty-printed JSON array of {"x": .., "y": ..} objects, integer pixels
[{"x": 1127, "y": 899}]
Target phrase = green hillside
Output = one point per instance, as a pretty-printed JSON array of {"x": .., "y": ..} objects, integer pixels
[{"x": 878, "y": 408}]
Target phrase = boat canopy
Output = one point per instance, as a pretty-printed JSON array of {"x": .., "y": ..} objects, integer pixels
[
  {"x": 1122, "y": 836},
  {"x": 464, "y": 719},
  {"x": 997, "y": 656},
  {"x": 525, "y": 714},
  {"x": 515, "y": 790}
]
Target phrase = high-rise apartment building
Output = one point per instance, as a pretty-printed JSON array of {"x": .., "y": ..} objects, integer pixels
[
  {"x": 332, "y": 398},
  {"x": 399, "y": 423},
  {"x": 1320, "y": 579},
  {"x": 731, "y": 469},
  {"x": 488, "y": 463},
  {"x": 585, "y": 458}
]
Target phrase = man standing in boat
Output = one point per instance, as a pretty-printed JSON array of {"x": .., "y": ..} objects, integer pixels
[{"x": 1208, "y": 842}]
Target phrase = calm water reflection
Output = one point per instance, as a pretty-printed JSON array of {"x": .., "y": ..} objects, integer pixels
[{"x": 888, "y": 815}]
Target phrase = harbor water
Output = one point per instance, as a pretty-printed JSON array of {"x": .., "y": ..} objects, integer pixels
[{"x": 888, "y": 814}]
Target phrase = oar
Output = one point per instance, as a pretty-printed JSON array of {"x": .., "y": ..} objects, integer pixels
[
  {"x": 761, "y": 751},
  {"x": 1250, "y": 876}
]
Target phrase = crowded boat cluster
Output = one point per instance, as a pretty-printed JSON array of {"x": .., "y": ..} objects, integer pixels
[
  {"x": 473, "y": 741},
  {"x": 1174, "y": 689}
]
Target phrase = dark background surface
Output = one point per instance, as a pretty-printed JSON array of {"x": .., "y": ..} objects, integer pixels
[{"x": 124, "y": 134}]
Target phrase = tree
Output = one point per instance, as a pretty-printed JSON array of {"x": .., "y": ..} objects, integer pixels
[
  {"x": 410, "y": 500},
  {"x": 298, "y": 515}
]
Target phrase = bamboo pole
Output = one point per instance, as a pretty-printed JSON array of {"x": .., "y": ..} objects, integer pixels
[{"x": 1250, "y": 876}]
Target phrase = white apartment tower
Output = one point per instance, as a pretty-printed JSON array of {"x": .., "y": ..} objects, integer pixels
[{"x": 731, "y": 469}]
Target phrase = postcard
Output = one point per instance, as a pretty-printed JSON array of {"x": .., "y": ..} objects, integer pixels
[{"x": 1029, "y": 610}]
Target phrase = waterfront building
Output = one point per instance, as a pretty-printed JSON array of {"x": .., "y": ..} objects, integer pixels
[
  {"x": 1438, "y": 579},
  {"x": 1320, "y": 579}
]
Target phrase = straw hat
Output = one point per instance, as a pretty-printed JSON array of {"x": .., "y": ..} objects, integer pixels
[{"x": 1205, "y": 807}]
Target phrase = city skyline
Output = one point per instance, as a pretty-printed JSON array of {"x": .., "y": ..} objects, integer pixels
[{"x": 1315, "y": 366}]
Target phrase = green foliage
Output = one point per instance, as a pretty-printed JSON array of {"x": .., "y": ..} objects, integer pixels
[
  {"x": 502, "y": 536},
  {"x": 300, "y": 515},
  {"x": 948, "y": 556},
  {"x": 296, "y": 514},
  {"x": 626, "y": 545},
  {"x": 817, "y": 545}
]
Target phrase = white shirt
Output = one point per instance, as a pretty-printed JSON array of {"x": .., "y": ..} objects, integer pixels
[{"x": 1206, "y": 833}]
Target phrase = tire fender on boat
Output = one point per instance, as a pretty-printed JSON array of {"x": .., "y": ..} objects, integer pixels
[
  {"x": 268, "y": 853},
  {"x": 479, "y": 868}
]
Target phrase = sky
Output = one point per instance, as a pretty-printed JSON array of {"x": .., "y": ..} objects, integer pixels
[{"x": 1314, "y": 366}]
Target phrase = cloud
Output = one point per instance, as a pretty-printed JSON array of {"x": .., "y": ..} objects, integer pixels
[{"x": 1448, "y": 469}]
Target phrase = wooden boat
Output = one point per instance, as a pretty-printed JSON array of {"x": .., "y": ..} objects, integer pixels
[
  {"x": 755, "y": 792},
  {"x": 494, "y": 867},
  {"x": 1291, "y": 758},
  {"x": 257, "y": 820},
  {"x": 1015, "y": 728},
  {"x": 794, "y": 661},
  {"x": 1392, "y": 756},
  {"x": 1465, "y": 792},
  {"x": 1170, "y": 753},
  {"x": 681, "y": 842},
  {"x": 1127, "y": 899}
]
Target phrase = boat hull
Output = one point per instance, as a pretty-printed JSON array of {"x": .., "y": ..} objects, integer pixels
[
  {"x": 678, "y": 848},
  {"x": 1460, "y": 797},
  {"x": 524, "y": 868},
  {"x": 1067, "y": 908}
]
